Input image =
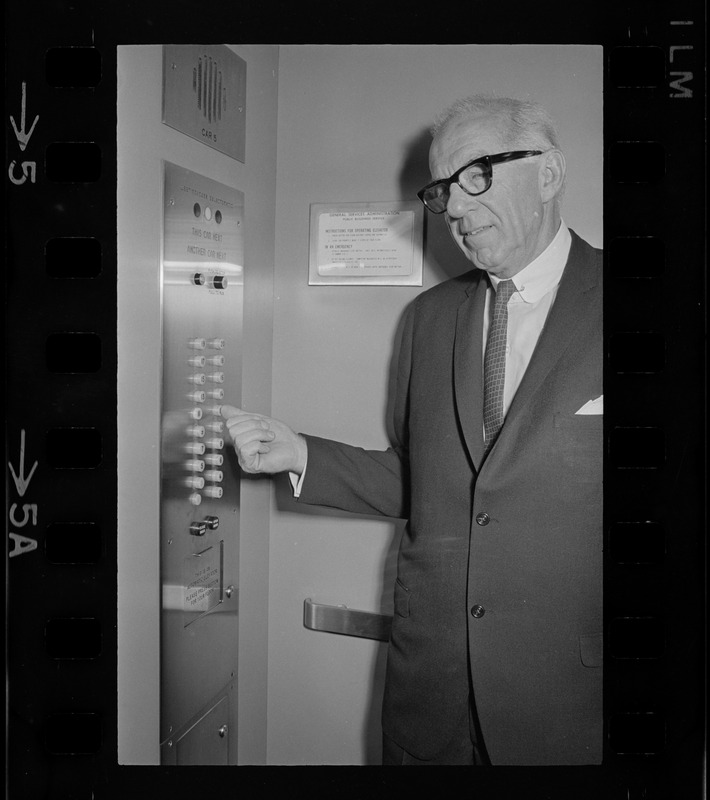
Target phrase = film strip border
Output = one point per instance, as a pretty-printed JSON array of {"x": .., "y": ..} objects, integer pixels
[
  {"x": 654, "y": 308},
  {"x": 61, "y": 433}
]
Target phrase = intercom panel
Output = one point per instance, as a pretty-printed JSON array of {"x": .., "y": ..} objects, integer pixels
[{"x": 202, "y": 302}]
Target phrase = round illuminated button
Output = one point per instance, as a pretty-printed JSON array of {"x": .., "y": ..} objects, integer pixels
[
  {"x": 195, "y": 465},
  {"x": 196, "y": 430},
  {"x": 214, "y": 475},
  {"x": 195, "y": 448},
  {"x": 197, "y": 396},
  {"x": 197, "y": 344},
  {"x": 195, "y": 499},
  {"x": 215, "y": 361},
  {"x": 208, "y": 213},
  {"x": 215, "y": 344},
  {"x": 214, "y": 459},
  {"x": 197, "y": 361},
  {"x": 216, "y": 425},
  {"x": 216, "y": 394},
  {"x": 214, "y": 491},
  {"x": 215, "y": 444},
  {"x": 195, "y": 413},
  {"x": 216, "y": 377},
  {"x": 198, "y": 378},
  {"x": 215, "y": 410},
  {"x": 195, "y": 482}
]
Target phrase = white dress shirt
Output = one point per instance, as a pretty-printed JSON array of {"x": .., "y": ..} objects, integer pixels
[{"x": 528, "y": 308}]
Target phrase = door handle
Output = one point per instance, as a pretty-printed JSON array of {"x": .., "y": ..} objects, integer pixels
[{"x": 346, "y": 621}]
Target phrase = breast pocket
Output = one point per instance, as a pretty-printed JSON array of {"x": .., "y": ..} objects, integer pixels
[{"x": 579, "y": 441}]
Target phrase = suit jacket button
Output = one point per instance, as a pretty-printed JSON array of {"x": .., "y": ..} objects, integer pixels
[
  {"x": 482, "y": 518},
  {"x": 477, "y": 611}
]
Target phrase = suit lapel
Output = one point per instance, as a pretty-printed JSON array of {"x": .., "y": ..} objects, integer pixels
[
  {"x": 568, "y": 311},
  {"x": 468, "y": 384}
]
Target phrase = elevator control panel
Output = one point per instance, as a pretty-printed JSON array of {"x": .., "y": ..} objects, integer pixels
[{"x": 202, "y": 307}]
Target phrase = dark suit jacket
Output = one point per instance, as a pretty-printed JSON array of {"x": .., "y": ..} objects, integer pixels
[{"x": 518, "y": 534}]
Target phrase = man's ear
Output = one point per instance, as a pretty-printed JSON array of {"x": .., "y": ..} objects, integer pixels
[{"x": 552, "y": 175}]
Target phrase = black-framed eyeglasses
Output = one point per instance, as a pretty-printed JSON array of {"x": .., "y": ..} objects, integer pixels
[{"x": 474, "y": 178}]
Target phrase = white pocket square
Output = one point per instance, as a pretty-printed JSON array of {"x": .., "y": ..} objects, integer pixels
[{"x": 595, "y": 406}]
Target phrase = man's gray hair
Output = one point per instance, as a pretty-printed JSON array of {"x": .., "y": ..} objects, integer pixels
[{"x": 526, "y": 125}]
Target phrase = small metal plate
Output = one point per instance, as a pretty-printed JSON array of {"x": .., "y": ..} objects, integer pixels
[
  {"x": 203, "y": 583},
  {"x": 204, "y": 95}
]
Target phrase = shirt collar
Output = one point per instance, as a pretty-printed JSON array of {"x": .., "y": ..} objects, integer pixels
[{"x": 544, "y": 273}]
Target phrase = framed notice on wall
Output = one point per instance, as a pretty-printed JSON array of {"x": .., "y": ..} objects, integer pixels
[{"x": 377, "y": 243}]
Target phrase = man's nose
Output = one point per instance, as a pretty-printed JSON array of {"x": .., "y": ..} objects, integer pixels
[{"x": 459, "y": 202}]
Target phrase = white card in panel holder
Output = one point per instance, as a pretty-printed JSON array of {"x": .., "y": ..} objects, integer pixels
[
  {"x": 369, "y": 243},
  {"x": 204, "y": 95}
]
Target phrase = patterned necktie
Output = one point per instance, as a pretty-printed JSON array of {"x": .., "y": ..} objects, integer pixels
[{"x": 494, "y": 364}]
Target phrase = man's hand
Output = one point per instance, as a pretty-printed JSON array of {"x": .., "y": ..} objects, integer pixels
[{"x": 264, "y": 444}]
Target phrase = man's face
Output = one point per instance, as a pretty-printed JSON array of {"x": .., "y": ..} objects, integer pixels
[{"x": 504, "y": 229}]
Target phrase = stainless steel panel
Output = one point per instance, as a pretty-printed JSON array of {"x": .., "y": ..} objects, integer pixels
[
  {"x": 202, "y": 293},
  {"x": 348, "y": 621},
  {"x": 204, "y": 95}
]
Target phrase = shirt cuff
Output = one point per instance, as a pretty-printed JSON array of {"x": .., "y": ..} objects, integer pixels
[{"x": 297, "y": 480}]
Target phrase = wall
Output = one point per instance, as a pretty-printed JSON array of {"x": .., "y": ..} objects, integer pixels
[
  {"x": 142, "y": 142},
  {"x": 352, "y": 124}
]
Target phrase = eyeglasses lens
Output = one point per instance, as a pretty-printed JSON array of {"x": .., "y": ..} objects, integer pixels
[{"x": 474, "y": 180}]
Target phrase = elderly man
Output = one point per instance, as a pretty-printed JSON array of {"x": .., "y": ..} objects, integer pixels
[{"x": 495, "y": 650}]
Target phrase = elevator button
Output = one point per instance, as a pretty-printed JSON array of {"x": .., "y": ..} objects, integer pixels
[
  {"x": 214, "y": 459},
  {"x": 198, "y": 528},
  {"x": 208, "y": 213},
  {"x": 198, "y": 378},
  {"x": 195, "y": 498},
  {"x": 216, "y": 377},
  {"x": 195, "y": 413},
  {"x": 220, "y": 281},
  {"x": 215, "y": 425},
  {"x": 195, "y": 482},
  {"x": 195, "y": 465},
  {"x": 216, "y": 344},
  {"x": 197, "y": 361},
  {"x": 215, "y": 444},
  {"x": 195, "y": 448},
  {"x": 195, "y": 430},
  {"x": 198, "y": 279},
  {"x": 197, "y": 396},
  {"x": 215, "y": 410},
  {"x": 216, "y": 394},
  {"x": 214, "y": 491},
  {"x": 216, "y": 361},
  {"x": 197, "y": 344},
  {"x": 214, "y": 475}
]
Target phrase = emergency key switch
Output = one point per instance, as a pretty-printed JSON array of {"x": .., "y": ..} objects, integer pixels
[
  {"x": 212, "y": 522},
  {"x": 198, "y": 528}
]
